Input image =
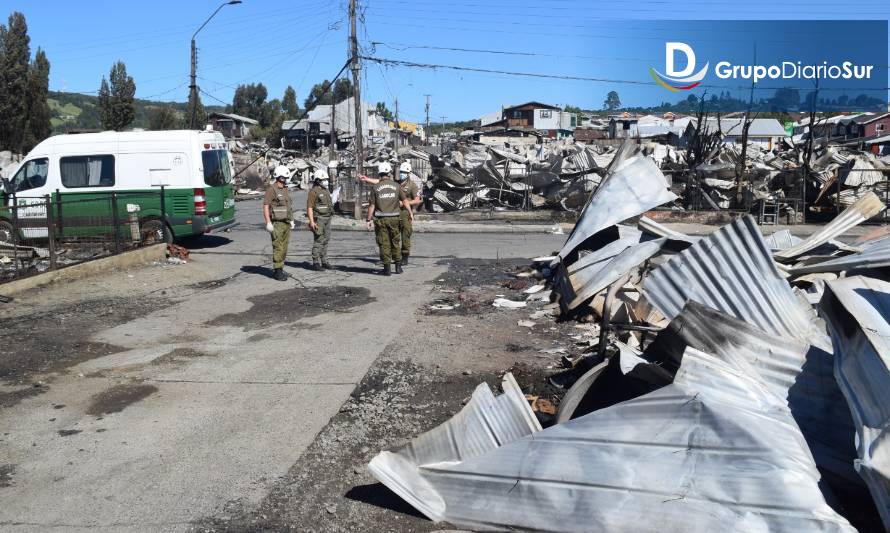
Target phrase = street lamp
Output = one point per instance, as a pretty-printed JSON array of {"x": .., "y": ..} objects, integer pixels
[{"x": 193, "y": 87}]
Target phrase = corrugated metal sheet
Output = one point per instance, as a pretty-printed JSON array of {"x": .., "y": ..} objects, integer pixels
[
  {"x": 874, "y": 256},
  {"x": 650, "y": 226},
  {"x": 856, "y": 310},
  {"x": 634, "y": 187},
  {"x": 864, "y": 208},
  {"x": 782, "y": 240},
  {"x": 731, "y": 271},
  {"x": 713, "y": 451},
  {"x": 793, "y": 370}
]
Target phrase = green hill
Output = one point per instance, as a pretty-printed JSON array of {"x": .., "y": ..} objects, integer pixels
[{"x": 75, "y": 111}]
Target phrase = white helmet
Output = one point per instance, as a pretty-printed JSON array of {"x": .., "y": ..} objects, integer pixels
[
  {"x": 281, "y": 171},
  {"x": 384, "y": 168},
  {"x": 320, "y": 175},
  {"x": 405, "y": 167}
]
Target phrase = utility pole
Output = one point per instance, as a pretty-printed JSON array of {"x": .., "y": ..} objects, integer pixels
[
  {"x": 357, "y": 102},
  {"x": 193, "y": 85},
  {"x": 442, "y": 131},
  {"x": 427, "y": 109},
  {"x": 398, "y": 126},
  {"x": 333, "y": 125}
]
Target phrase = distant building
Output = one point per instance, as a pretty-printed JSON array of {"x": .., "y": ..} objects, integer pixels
[
  {"x": 764, "y": 132},
  {"x": 315, "y": 130},
  {"x": 549, "y": 121},
  {"x": 232, "y": 126}
]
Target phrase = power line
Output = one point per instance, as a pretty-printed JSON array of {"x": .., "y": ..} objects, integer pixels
[{"x": 411, "y": 64}]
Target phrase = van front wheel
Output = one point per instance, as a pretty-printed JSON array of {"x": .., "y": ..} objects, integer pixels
[
  {"x": 7, "y": 232},
  {"x": 155, "y": 232}
]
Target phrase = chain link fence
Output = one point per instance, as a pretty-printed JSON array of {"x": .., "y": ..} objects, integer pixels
[{"x": 54, "y": 231}]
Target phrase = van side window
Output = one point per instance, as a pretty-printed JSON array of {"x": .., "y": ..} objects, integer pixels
[
  {"x": 217, "y": 171},
  {"x": 31, "y": 176},
  {"x": 87, "y": 171}
]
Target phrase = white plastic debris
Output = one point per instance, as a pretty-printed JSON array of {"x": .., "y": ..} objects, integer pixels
[{"x": 508, "y": 304}]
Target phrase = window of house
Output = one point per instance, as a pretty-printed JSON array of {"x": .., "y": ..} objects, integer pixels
[
  {"x": 87, "y": 171},
  {"x": 31, "y": 175},
  {"x": 546, "y": 113},
  {"x": 517, "y": 114},
  {"x": 880, "y": 127},
  {"x": 625, "y": 125}
]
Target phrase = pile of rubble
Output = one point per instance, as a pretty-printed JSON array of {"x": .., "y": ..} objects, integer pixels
[{"x": 739, "y": 382}]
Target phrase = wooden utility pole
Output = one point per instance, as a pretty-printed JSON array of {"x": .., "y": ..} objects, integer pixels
[
  {"x": 427, "y": 118},
  {"x": 333, "y": 124},
  {"x": 357, "y": 102},
  {"x": 398, "y": 129}
]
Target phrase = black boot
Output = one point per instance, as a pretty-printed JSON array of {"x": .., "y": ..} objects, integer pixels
[
  {"x": 325, "y": 265},
  {"x": 399, "y": 267},
  {"x": 316, "y": 266},
  {"x": 404, "y": 259},
  {"x": 386, "y": 271},
  {"x": 279, "y": 274}
]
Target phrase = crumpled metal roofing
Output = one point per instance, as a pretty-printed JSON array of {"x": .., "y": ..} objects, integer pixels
[
  {"x": 864, "y": 208},
  {"x": 876, "y": 255},
  {"x": 633, "y": 187},
  {"x": 731, "y": 270},
  {"x": 856, "y": 310},
  {"x": 782, "y": 240},
  {"x": 793, "y": 370},
  {"x": 715, "y": 450},
  {"x": 648, "y": 225}
]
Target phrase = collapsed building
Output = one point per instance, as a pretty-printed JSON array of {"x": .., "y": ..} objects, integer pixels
[
  {"x": 775, "y": 178},
  {"x": 739, "y": 382}
]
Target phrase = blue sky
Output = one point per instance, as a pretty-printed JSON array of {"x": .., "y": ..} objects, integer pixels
[{"x": 300, "y": 42}]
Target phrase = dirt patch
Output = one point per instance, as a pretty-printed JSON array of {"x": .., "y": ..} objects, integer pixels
[
  {"x": 55, "y": 340},
  {"x": 179, "y": 355},
  {"x": 68, "y": 432},
  {"x": 9, "y": 399},
  {"x": 7, "y": 474},
  {"x": 119, "y": 397},
  {"x": 291, "y": 305},
  {"x": 259, "y": 337},
  {"x": 410, "y": 389}
]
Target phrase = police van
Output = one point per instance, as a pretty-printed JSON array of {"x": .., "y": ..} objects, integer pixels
[{"x": 193, "y": 169}]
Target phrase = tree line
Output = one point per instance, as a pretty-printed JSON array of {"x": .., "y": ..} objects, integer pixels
[{"x": 24, "y": 85}]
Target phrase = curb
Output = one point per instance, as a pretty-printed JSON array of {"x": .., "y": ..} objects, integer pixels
[
  {"x": 140, "y": 256},
  {"x": 451, "y": 227}
]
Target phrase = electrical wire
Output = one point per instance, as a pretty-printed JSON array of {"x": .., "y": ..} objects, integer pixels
[{"x": 411, "y": 64}]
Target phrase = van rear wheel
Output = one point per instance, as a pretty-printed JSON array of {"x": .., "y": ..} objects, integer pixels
[
  {"x": 155, "y": 232},
  {"x": 7, "y": 232}
]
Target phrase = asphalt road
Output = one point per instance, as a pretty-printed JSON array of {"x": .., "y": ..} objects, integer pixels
[{"x": 214, "y": 388}]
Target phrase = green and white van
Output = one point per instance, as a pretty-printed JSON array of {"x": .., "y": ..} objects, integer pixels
[{"x": 194, "y": 168}]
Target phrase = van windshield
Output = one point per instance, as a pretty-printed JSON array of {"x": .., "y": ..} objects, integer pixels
[
  {"x": 31, "y": 176},
  {"x": 217, "y": 171}
]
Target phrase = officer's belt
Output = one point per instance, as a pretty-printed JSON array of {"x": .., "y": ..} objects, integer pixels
[{"x": 386, "y": 214}]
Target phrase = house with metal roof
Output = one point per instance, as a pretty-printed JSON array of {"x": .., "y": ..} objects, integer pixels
[{"x": 232, "y": 126}]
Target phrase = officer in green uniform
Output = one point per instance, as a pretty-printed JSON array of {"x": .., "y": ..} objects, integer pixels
[
  {"x": 412, "y": 194},
  {"x": 384, "y": 202},
  {"x": 279, "y": 216},
  {"x": 319, "y": 209}
]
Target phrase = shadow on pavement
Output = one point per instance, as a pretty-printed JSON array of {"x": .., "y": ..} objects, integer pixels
[
  {"x": 379, "y": 495},
  {"x": 259, "y": 270},
  {"x": 205, "y": 242}
]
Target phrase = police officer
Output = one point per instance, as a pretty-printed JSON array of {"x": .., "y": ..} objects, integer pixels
[
  {"x": 412, "y": 194},
  {"x": 384, "y": 202},
  {"x": 319, "y": 209},
  {"x": 279, "y": 216}
]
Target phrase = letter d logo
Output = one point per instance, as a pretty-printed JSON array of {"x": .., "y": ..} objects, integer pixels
[
  {"x": 670, "y": 50},
  {"x": 678, "y": 80}
]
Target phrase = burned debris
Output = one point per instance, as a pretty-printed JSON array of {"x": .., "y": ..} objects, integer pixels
[{"x": 730, "y": 353}]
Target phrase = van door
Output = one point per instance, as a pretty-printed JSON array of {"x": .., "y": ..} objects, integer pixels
[
  {"x": 218, "y": 191},
  {"x": 27, "y": 186}
]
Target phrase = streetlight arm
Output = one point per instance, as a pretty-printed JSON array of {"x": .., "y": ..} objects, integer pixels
[{"x": 224, "y": 4}]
